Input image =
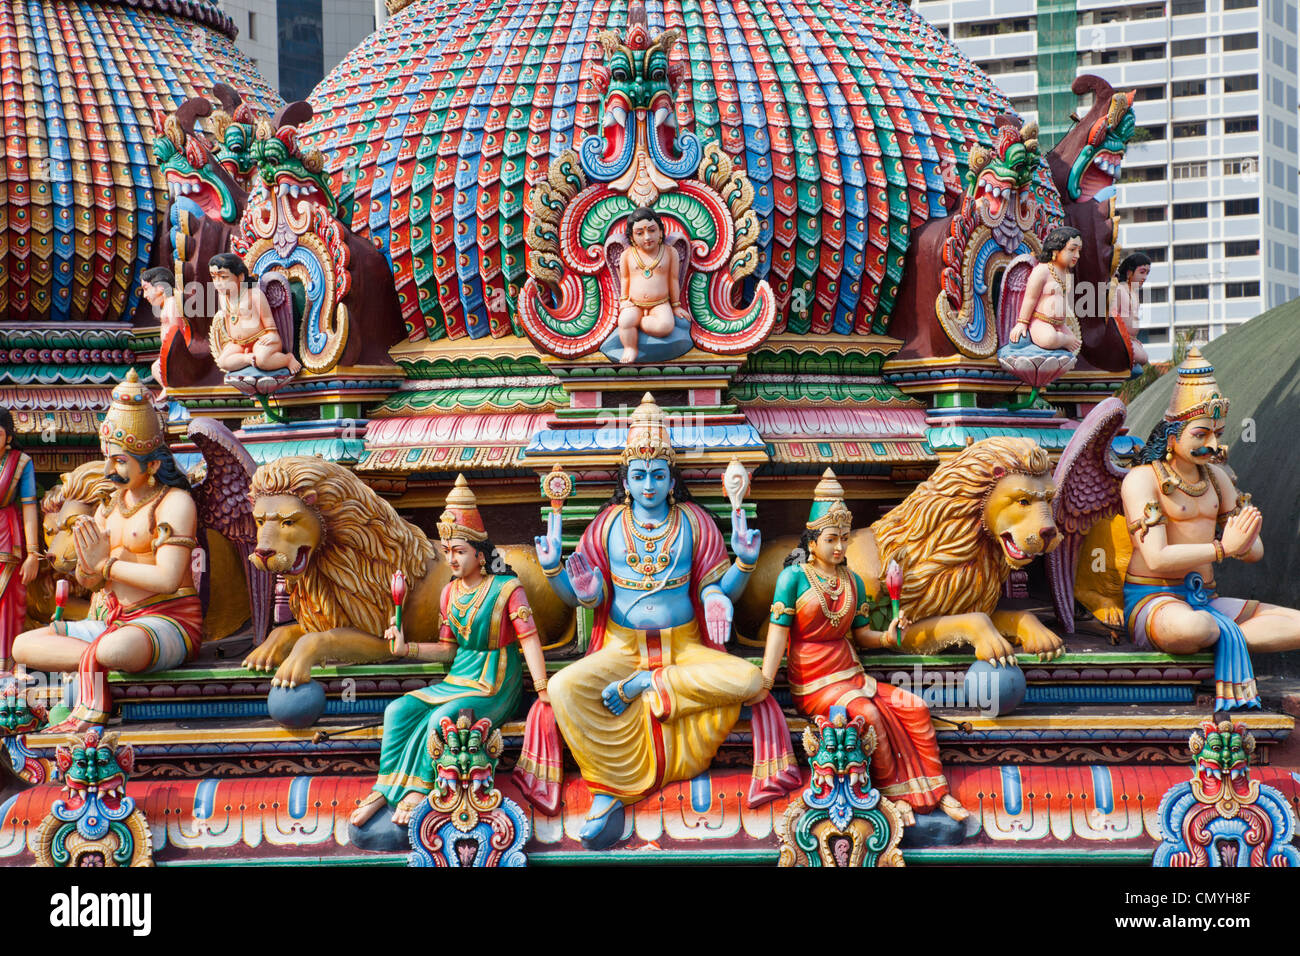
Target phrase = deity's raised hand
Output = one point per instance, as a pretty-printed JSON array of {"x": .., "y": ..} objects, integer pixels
[
  {"x": 717, "y": 617},
  {"x": 586, "y": 585},
  {"x": 744, "y": 542},
  {"x": 548, "y": 546}
]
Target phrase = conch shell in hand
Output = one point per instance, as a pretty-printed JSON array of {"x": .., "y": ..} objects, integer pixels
[{"x": 735, "y": 482}]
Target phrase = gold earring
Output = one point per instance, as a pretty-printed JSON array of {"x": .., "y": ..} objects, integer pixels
[
  {"x": 1169, "y": 453},
  {"x": 627, "y": 497},
  {"x": 152, "y": 480},
  {"x": 672, "y": 499}
]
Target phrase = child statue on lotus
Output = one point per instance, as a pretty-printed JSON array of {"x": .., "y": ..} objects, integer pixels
[
  {"x": 1185, "y": 515},
  {"x": 656, "y": 695},
  {"x": 1047, "y": 309},
  {"x": 817, "y": 606},
  {"x": 649, "y": 277},
  {"x": 251, "y": 337},
  {"x": 486, "y": 622}
]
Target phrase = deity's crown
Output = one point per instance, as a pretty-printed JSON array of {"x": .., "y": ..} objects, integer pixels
[
  {"x": 1196, "y": 393},
  {"x": 647, "y": 434},
  {"x": 829, "y": 510},
  {"x": 461, "y": 518},
  {"x": 132, "y": 421}
]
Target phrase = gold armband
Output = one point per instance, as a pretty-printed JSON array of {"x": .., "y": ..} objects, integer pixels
[
  {"x": 745, "y": 568},
  {"x": 780, "y": 610},
  {"x": 552, "y": 572},
  {"x": 522, "y": 613}
]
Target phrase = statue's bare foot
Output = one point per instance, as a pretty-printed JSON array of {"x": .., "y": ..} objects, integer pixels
[
  {"x": 405, "y": 807},
  {"x": 950, "y": 806},
  {"x": 629, "y": 356},
  {"x": 604, "y": 824},
  {"x": 73, "y": 725},
  {"x": 631, "y": 687},
  {"x": 372, "y": 804},
  {"x": 294, "y": 366}
]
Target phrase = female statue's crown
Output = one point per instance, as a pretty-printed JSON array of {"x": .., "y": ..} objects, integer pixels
[
  {"x": 1196, "y": 393},
  {"x": 132, "y": 421},
  {"x": 461, "y": 518},
  {"x": 647, "y": 434},
  {"x": 829, "y": 510}
]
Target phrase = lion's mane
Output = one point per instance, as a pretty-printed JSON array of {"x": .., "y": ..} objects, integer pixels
[
  {"x": 953, "y": 565},
  {"x": 84, "y": 483},
  {"x": 348, "y": 581}
]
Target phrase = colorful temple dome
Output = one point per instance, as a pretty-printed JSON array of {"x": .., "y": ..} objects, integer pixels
[
  {"x": 851, "y": 118},
  {"x": 81, "y": 196}
]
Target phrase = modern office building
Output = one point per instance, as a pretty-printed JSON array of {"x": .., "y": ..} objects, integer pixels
[
  {"x": 1209, "y": 188},
  {"x": 296, "y": 42}
]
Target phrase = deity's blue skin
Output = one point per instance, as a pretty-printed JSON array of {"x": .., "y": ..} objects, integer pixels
[{"x": 648, "y": 484}]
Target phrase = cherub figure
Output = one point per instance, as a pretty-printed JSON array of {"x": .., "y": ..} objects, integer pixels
[
  {"x": 1126, "y": 307},
  {"x": 650, "y": 280},
  {"x": 157, "y": 289},
  {"x": 1047, "y": 309},
  {"x": 245, "y": 317}
]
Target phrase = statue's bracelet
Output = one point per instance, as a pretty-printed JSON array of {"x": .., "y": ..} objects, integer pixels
[
  {"x": 107, "y": 567},
  {"x": 552, "y": 572},
  {"x": 744, "y": 568},
  {"x": 768, "y": 682},
  {"x": 540, "y": 685},
  {"x": 1219, "y": 553}
]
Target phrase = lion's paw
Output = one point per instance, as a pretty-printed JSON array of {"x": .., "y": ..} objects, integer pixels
[
  {"x": 994, "y": 648},
  {"x": 294, "y": 671},
  {"x": 265, "y": 657},
  {"x": 1043, "y": 643}
]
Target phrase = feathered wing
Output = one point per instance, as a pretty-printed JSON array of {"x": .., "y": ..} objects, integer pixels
[
  {"x": 1014, "y": 282},
  {"x": 223, "y": 505},
  {"x": 276, "y": 289},
  {"x": 1087, "y": 491}
]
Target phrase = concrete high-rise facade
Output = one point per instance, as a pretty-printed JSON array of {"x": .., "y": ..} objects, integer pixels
[
  {"x": 296, "y": 42},
  {"x": 1209, "y": 183}
]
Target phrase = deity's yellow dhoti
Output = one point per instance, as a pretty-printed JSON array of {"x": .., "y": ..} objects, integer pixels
[{"x": 670, "y": 732}]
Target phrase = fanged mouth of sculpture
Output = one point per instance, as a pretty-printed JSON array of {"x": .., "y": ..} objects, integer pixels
[
  {"x": 298, "y": 190},
  {"x": 1013, "y": 552},
  {"x": 200, "y": 192},
  {"x": 1103, "y": 171},
  {"x": 999, "y": 195}
]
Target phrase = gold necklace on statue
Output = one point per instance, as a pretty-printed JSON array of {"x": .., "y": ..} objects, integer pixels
[
  {"x": 467, "y": 603},
  {"x": 126, "y": 511},
  {"x": 828, "y": 591},
  {"x": 649, "y": 563},
  {"x": 1169, "y": 480},
  {"x": 648, "y": 270}
]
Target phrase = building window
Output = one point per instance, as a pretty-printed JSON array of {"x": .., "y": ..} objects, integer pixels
[
  {"x": 1197, "y": 333},
  {"x": 1240, "y": 4},
  {"x": 1240, "y": 41},
  {"x": 1244, "y": 166},
  {"x": 989, "y": 28},
  {"x": 1156, "y": 92},
  {"x": 1190, "y": 293},
  {"x": 1241, "y": 247},
  {"x": 1184, "y": 130},
  {"x": 1142, "y": 174},
  {"x": 1156, "y": 131},
  {"x": 252, "y": 25},
  {"x": 1241, "y": 84},
  {"x": 1241, "y": 124},
  {"x": 1192, "y": 47},
  {"x": 1189, "y": 88},
  {"x": 1149, "y": 336},
  {"x": 1144, "y": 214},
  {"x": 1240, "y": 290},
  {"x": 1155, "y": 51},
  {"x": 1025, "y": 104},
  {"x": 1158, "y": 296},
  {"x": 1189, "y": 170},
  {"x": 1191, "y": 210},
  {"x": 1184, "y": 8},
  {"x": 1241, "y": 207},
  {"x": 1195, "y": 250},
  {"x": 1155, "y": 253}
]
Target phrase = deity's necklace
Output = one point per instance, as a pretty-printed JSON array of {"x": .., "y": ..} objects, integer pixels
[
  {"x": 126, "y": 511},
  {"x": 1169, "y": 480},
  {"x": 827, "y": 591},
  {"x": 467, "y": 603},
  {"x": 650, "y": 271},
  {"x": 648, "y": 563}
]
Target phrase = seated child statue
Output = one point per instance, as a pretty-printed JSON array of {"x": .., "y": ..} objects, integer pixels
[
  {"x": 650, "y": 280},
  {"x": 1047, "y": 308},
  {"x": 244, "y": 316}
]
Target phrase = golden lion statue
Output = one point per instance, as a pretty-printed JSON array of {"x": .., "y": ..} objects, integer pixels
[
  {"x": 977, "y": 517},
  {"x": 337, "y": 544},
  {"x": 79, "y": 493}
]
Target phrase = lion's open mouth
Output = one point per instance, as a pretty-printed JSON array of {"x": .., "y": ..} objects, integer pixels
[
  {"x": 300, "y": 562},
  {"x": 1009, "y": 545}
]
